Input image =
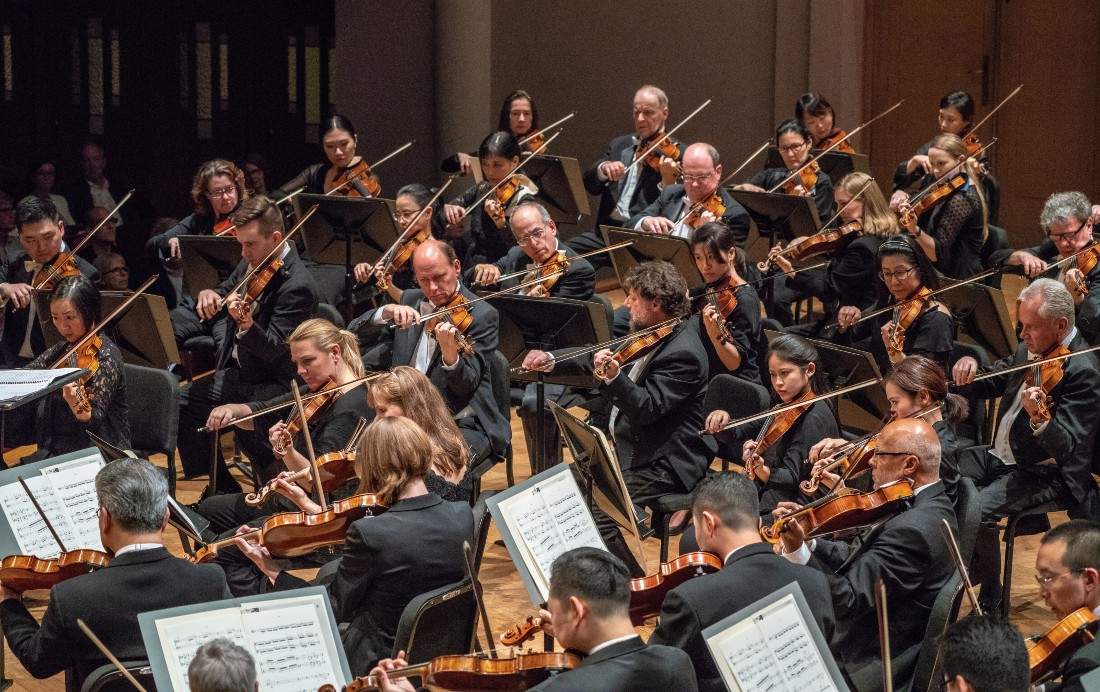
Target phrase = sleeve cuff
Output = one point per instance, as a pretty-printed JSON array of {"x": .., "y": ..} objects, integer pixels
[
  {"x": 449, "y": 368},
  {"x": 803, "y": 554}
]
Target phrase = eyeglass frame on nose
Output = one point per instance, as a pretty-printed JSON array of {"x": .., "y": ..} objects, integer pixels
[
  {"x": 535, "y": 234},
  {"x": 896, "y": 276},
  {"x": 1055, "y": 237},
  {"x": 793, "y": 147},
  {"x": 222, "y": 192}
]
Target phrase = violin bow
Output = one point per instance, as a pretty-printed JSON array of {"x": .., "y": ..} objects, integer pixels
[
  {"x": 392, "y": 250},
  {"x": 798, "y": 404},
  {"x": 917, "y": 197},
  {"x": 471, "y": 574},
  {"x": 278, "y": 248},
  {"x": 836, "y": 144},
  {"x": 110, "y": 656},
  {"x": 41, "y": 513},
  {"x": 549, "y": 127},
  {"x": 443, "y": 311},
  {"x": 512, "y": 172},
  {"x": 105, "y": 321},
  {"x": 956, "y": 557},
  {"x": 606, "y": 344},
  {"x": 84, "y": 241},
  {"x": 665, "y": 135},
  {"x": 309, "y": 446},
  {"x": 370, "y": 168},
  {"x": 276, "y": 203},
  {"x": 884, "y": 635},
  {"x": 824, "y": 226},
  {"x": 286, "y": 404},
  {"x": 525, "y": 272},
  {"x": 996, "y": 108},
  {"x": 1033, "y": 363}
]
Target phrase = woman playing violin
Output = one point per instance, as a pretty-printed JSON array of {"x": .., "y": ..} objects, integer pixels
[
  {"x": 98, "y": 405},
  {"x": 325, "y": 356},
  {"x": 413, "y": 547},
  {"x": 730, "y": 338},
  {"x": 955, "y": 117},
  {"x": 519, "y": 116},
  {"x": 488, "y": 238},
  {"x": 792, "y": 364},
  {"x": 407, "y": 392},
  {"x": 343, "y": 165},
  {"x": 953, "y": 231},
  {"x": 411, "y": 199},
  {"x": 818, "y": 117}
]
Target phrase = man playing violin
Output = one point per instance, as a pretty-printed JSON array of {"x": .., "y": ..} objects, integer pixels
[
  {"x": 726, "y": 515},
  {"x": 141, "y": 576},
  {"x": 623, "y": 193},
  {"x": 907, "y": 552},
  {"x": 250, "y": 337},
  {"x": 464, "y": 381},
  {"x": 969, "y": 646},
  {"x": 683, "y": 207},
  {"x": 1067, "y": 222},
  {"x": 40, "y": 234}
]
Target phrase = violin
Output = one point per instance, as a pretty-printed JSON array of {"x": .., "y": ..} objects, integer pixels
[
  {"x": 476, "y": 672},
  {"x": 355, "y": 180},
  {"x": 534, "y": 141},
  {"x": 314, "y": 406},
  {"x": 225, "y": 226},
  {"x": 339, "y": 467},
  {"x": 638, "y": 346},
  {"x": 455, "y": 313},
  {"x": 724, "y": 301},
  {"x": 775, "y": 427},
  {"x": 806, "y": 179},
  {"x": 87, "y": 356},
  {"x": 831, "y": 139},
  {"x": 927, "y": 200},
  {"x": 1084, "y": 261},
  {"x": 551, "y": 270},
  {"x": 852, "y": 458},
  {"x": 504, "y": 194},
  {"x": 844, "y": 512},
  {"x": 1046, "y": 654},
  {"x": 1046, "y": 376},
  {"x": 905, "y": 314},
  {"x": 712, "y": 205},
  {"x": 26, "y": 572},
  {"x": 293, "y": 534},
  {"x": 667, "y": 148},
  {"x": 51, "y": 273},
  {"x": 823, "y": 242}
]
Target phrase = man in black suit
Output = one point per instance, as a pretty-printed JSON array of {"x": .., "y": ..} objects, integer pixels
[
  {"x": 536, "y": 244},
  {"x": 1067, "y": 567},
  {"x": 656, "y": 400},
  {"x": 464, "y": 381},
  {"x": 141, "y": 576},
  {"x": 40, "y": 234},
  {"x": 969, "y": 647},
  {"x": 623, "y": 193},
  {"x": 725, "y": 511},
  {"x": 907, "y": 552},
  {"x": 672, "y": 212},
  {"x": 253, "y": 357}
]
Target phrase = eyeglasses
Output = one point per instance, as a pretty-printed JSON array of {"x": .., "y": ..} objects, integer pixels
[
  {"x": 881, "y": 453},
  {"x": 791, "y": 148},
  {"x": 400, "y": 215},
  {"x": 1069, "y": 234},
  {"x": 117, "y": 270},
  {"x": 222, "y": 192},
  {"x": 1042, "y": 580},
  {"x": 696, "y": 178},
  {"x": 531, "y": 237},
  {"x": 896, "y": 276}
]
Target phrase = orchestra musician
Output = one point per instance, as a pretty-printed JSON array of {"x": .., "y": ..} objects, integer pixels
[
  {"x": 340, "y": 142},
  {"x": 40, "y": 235},
  {"x": 1067, "y": 222},
  {"x": 105, "y": 240},
  {"x": 625, "y": 193},
  {"x": 969, "y": 646},
  {"x": 464, "y": 381},
  {"x": 725, "y": 512},
  {"x": 682, "y": 207},
  {"x": 389, "y": 559},
  {"x": 817, "y": 116},
  {"x": 907, "y": 552},
  {"x": 253, "y": 357},
  {"x": 519, "y": 116},
  {"x": 955, "y": 117},
  {"x": 141, "y": 576}
]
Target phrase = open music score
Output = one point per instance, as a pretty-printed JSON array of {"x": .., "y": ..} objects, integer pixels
[
  {"x": 540, "y": 519},
  {"x": 290, "y": 637},
  {"x": 16, "y": 384},
  {"x": 66, "y": 492},
  {"x": 774, "y": 644}
]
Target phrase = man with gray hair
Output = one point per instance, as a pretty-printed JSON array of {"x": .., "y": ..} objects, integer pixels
[
  {"x": 220, "y": 665},
  {"x": 141, "y": 576},
  {"x": 1066, "y": 220}
]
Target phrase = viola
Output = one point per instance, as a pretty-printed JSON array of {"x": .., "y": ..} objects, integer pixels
[
  {"x": 712, "y": 205},
  {"x": 905, "y": 314},
  {"x": 775, "y": 427},
  {"x": 844, "y": 512},
  {"x": 455, "y": 313},
  {"x": 638, "y": 346},
  {"x": 293, "y": 534},
  {"x": 26, "y": 572},
  {"x": 833, "y": 138},
  {"x": 1046, "y": 654},
  {"x": 355, "y": 180},
  {"x": 806, "y": 178},
  {"x": 1046, "y": 376},
  {"x": 931, "y": 197},
  {"x": 477, "y": 672},
  {"x": 326, "y": 396},
  {"x": 823, "y": 242}
]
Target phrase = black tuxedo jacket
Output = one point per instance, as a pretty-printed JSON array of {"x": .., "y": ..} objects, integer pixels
[
  {"x": 625, "y": 667},
  {"x": 1070, "y": 436},
  {"x": 908, "y": 553},
  {"x": 468, "y": 384},
  {"x": 751, "y": 573},
  {"x": 109, "y": 601},
  {"x": 645, "y": 192},
  {"x": 1083, "y": 661},
  {"x": 673, "y": 203},
  {"x": 15, "y": 321},
  {"x": 289, "y": 299},
  {"x": 578, "y": 282}
]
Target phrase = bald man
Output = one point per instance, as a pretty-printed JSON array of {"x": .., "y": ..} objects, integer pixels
[
  {"x": 701, "y": 171},
  {"x": 907, "y": 551},
  {"x": 464, "y": 381}
]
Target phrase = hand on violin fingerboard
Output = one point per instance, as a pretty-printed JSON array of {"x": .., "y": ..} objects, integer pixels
[
  {"x": 241, "y": 312},
  {"x": 446, "y": 334},
  {"x": 606, "y": 368}
]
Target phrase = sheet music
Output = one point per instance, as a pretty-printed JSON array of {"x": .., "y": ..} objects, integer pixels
[
  {"x": 73, "y": 482},
  {"x": 773, "y": 650},
  {"x": 31, "y": 532},
  {"x": 180, "y": 637},
  {"x": 16, "y": 384},
  {"x": 292, "y": 644},
  {"x": 548, "y": 519}
]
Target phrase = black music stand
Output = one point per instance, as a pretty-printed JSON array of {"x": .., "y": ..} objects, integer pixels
[
  {"x": 548, "y": 324},
  {"x": 836, "y": 164},
  {"x": 208, "y": 260},
  {"x": 982, "y": 317},
  {"x": 8, "y": 404},
  {"x": 561, "y": 187},
  {"x": 651, "y": 246},
  {"x": 774, "y": 212},
  {"x": 863, "y": 410},
  {"x": 143, "y": 332},
  {"x": 347, "y": 231}
]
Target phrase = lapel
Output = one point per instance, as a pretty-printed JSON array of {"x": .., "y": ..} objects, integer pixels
[
  {"x": 677, "y": 207},
  {"x": 657, "y": 351}
]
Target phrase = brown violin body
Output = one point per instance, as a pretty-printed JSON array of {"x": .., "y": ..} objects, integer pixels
[
  {"x": 648, "y": 593},
  {"x": 844, "y": 512},
  {"x": 26, "y": 572},
  {"x": 712, "y": 205},
  {"x": 806, "y": 179},
  {"x": 225, "y": 227},
  {"x": 638, "y": 347},
  {"x": 460, "y": 317},
  {"x": 1046, "y": 654},
  {"x": 823, "y": 242},
  {"x": 342, "y": 179},
  {"x": 339, "y": 467},
  {"x": 835, "y": 136},
  {"x": 311, "y": 408},
  {"x": 1085, "y": 262},
  {"x": 1046, "y": 377},
  {"x": 401, "y": 256},
  {"x": 667, "y": 148},
  {"x": 552, "y": 269},
  {"x": 52, "y": 272},
  {"x": 775, "y": 427},
  {"x": 904, "y": 317},
  {"x": 503, "y": 196},
  {"x": 87, "y": 356},
  {"x": 931, "y": 197},
  {"x": 724, "y": 301},
  {"x": 478, "y": 673}
]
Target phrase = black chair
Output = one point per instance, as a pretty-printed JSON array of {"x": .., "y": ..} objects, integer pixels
[
  {"x": 739, "y": 398},
  {"x": 945, "y": 610},
  {"x": 153, "y": 398},
  {"x": 330, "y": 313},
  {"x": 482, "y": 521},
  {"x": 663, "y": 509},
  {"x": 107, "y": 678},
  {"x": 608, "y": 308},
  {"x": 197, "y": 355},
  {"x": 996, "y": 242},
  {"x": 438, "y": 623},
  {"x": 1013, "y": 529},
  {"x": 968, "y": 516},
  {"x": 502, "y": 394}
]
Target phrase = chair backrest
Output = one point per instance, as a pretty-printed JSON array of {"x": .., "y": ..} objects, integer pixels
[
  {"x": 977, "y": 428},
  {"x": 329, "y": 313},
  {"x": 737, "y": 397},
  {"x": 482, "y": 521},
  {"x": 438, "y": 623},
  {"x": 968, "y": 515},
  {"x": 498, "y": 375},
  {"x": 608, "y": 309},
  {"x": 107, "y": 678},
  {"x": 945, "y": 610},
  {"x": 153, "y": 400}
]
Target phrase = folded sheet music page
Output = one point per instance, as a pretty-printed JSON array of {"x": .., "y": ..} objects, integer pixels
[
  {"x": 771, "y": 649},
  {"x": 66, "y": 493},
  {"x": 547, "y": 519},
  {"x": 289, "y": 638},
  {"x": 16, "y": 384}
]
